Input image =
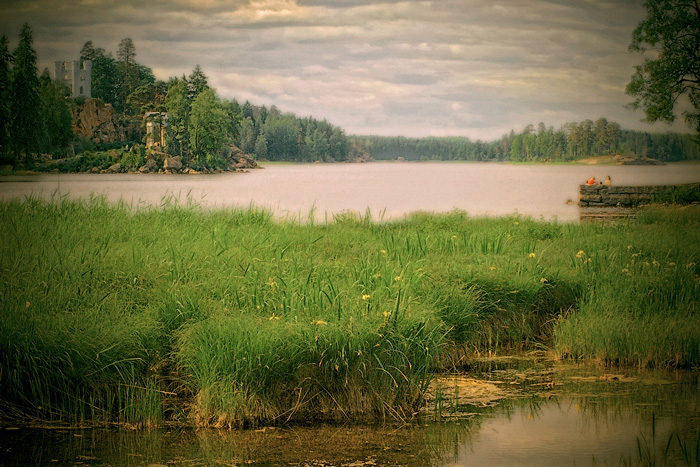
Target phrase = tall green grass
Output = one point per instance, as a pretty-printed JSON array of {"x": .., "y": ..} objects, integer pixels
[
  {"x": 112, "y": 314},
  {"x": 642, "y": 303}
]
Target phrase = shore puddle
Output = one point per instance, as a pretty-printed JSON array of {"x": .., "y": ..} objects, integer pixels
[{"x": 504, "y": 412}]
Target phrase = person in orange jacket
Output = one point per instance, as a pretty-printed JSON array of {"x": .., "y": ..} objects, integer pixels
[{"x": 591, "y": 181}]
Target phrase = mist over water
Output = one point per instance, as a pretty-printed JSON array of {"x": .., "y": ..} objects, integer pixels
[{"x": 389, "y": 190}]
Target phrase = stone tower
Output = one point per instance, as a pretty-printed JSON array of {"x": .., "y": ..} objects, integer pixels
[{"x": 78, "y": 78}]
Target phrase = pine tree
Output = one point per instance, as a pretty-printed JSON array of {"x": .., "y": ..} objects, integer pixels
[
  {"x": 4, "y": 97},
  {"x": 197, "y": 83},
  {"x": 56, "y": 128},
  {"x": 25, "y": 102},
  {"x": 126, "y": 55}
]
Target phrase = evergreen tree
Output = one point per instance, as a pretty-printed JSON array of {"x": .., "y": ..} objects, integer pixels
[
  {"x": 516, "y": 148},
  {"x": 128, "y": 71},
  {"x": 105, "y": 75},
  {"x": 4, "y": 97},
  {"x": 25, "y": 102},
  {"x": 233, "y": 109},
  {"x": 89, "y": 52},
  {"x": 261, "y": 147},
  {"x": 197, "y": 83},
  {"x": 56, "y": 128},
  {"x": 247, "y": 136}
]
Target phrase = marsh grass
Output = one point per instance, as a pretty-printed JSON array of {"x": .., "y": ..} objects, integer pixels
[{"x": 116, "y": 314}]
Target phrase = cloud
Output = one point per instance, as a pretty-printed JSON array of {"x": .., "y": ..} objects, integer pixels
[{"x": 465, "y": 67}]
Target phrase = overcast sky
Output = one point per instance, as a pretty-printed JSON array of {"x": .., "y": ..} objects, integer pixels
[{"x": 475, "y": 68}]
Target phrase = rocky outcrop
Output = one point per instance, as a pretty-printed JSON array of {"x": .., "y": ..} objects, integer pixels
[
  {"x": 239, "y": 160},
  {"x": 97, "y": 121},
  {"x": 246, "y": 162}
]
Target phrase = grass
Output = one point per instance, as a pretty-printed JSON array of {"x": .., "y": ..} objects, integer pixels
[{"x": 229, "y": 318}]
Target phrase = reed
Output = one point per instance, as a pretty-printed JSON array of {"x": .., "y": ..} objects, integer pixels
[{"x": 122, "y": 314}]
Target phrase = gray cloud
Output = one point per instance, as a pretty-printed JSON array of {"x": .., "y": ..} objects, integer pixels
[{"x": 461, "y": 67}]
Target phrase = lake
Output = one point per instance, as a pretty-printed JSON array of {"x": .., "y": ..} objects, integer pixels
[
  {"x": 537, "y": 413},
  {"x": 501, "y": 414},
  {"x": 388, "y": 189}
]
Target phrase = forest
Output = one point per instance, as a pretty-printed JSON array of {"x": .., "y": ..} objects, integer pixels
[
  {"x": 36, "y": 123},
  {"x": 201, "y": 126},
  {"x": 573, "y": 141}
]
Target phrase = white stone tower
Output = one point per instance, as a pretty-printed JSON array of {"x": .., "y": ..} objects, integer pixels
[{"x": 78, "y": 78}]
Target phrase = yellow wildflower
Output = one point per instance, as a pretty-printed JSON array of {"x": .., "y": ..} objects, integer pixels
[
  {"x": 543, "y": 280},
  {"x": 625, "y": 271},
  {"x": 532, "y": 255},
  {"x": 398, "y": 279},
  {"x": 383, "y": 252},
  {"x": 387, "y": 314},
  {"x": 319, "y": 322},
  {"x": 454, "y": 237},
  {"x": 365, "y": 297},
  {"x": 580, "y": 254},
  {"x": 492, "y": 268}
]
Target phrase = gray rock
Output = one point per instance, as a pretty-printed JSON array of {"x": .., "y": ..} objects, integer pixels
[
  {"x": 172, "y": 164},
  {"x": 115, "y": 168}
]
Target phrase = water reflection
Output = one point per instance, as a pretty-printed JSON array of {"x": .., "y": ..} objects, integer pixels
[{"x": 549, "y": 415}]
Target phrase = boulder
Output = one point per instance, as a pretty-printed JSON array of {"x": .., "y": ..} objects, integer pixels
[
  {"x": 149, "y": 166},
  {"x": 246, "y": 162},
  {"x": 237, "y": 159},
  {"x": 115, "y": 168},
  {"x": 172, "y": 164}
]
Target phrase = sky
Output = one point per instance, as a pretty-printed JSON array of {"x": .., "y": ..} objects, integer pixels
[{"x": 475, "y": 68}]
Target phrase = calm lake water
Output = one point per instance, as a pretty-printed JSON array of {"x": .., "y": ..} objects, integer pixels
[
  {"x": 547, "y": 415},
  {"x": 389, "y": 190}
]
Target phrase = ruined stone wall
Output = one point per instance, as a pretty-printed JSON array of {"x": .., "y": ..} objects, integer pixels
[{"x": 624, "y": 196}]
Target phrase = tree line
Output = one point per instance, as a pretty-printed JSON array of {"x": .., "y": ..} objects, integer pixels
[
  {"x": 572, "y": 141},
  {"x": 36, "y": 118}
]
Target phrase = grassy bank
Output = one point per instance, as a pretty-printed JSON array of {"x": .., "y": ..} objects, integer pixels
[{"x": 228, "y": 318}]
